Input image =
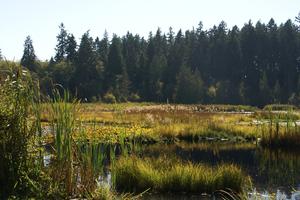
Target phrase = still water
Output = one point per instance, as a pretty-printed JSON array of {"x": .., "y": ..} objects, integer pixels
[{"x": 274, "y": 172}]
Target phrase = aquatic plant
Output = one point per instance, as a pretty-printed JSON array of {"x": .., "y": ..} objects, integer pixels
[
  {"x": 63, "y": 117},
  {"x": 281, "y": 133},
  {"x": 166, "y": 175}
]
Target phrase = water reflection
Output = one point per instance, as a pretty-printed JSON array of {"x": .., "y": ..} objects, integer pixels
[
  {"x": 275, "y": 171},
  {"x": 270, "y": 169}
]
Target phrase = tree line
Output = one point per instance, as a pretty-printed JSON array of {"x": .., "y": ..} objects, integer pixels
[{"x": 256, "y": 65}]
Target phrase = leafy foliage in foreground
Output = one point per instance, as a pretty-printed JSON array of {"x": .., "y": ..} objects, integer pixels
[{"x": 20, "y": 173}]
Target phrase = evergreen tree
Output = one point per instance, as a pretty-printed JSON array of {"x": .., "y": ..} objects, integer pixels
[
  {"x": 176, "y": 59},
  {"x": 86, "y": 79},
  {"x": 1, "y": 57},
  {"x": 297, "y": 19},
  {"x": 115, "y": 62},
  {"x": 265, "y": 92},
  {"x": 289, "y": 52},
  {"x": 29, "y": 58},
  {"x": 251, "y": 73},
  {"x": 102, "y": 48},
  {"x": 71, "y": 48},
  {"x": 255, "y": 65},
  {"x": 131, "y": 54},
  {"x": 62, "y": 43}
]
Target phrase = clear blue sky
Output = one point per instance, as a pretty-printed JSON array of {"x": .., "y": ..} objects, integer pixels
[{"x": 40, "y": 18}]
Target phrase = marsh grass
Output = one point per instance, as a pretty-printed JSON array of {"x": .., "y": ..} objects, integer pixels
[
  {"x": 171, "y": 175},
  {"x": 170, "y": 127},
  {"x": 21, "y": 173},
  {"x": 15, "y": 128},
  {"x": 281, "y": 131},
  {"x": 280, "y": 107},
  {"x": 63, "y": 118}
]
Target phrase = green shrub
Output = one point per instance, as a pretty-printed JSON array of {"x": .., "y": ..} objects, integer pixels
[
  {"x": 134, "y": 97},
  {"x": 109, "y": 98}
]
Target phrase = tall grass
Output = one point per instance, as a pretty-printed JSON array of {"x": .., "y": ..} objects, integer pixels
[
  {"x": 281, "y": 131},
  {"x": 63, "y": 118},
  {"x": 15, "y": 98},
  {"x": 165, "y": 175},
  {"x": 20, "y": 176}
]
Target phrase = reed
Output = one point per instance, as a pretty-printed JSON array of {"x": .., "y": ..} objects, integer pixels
[
  {"x": 63, "y": 118},
  {"x": 281, "y": 132},
  {"x": 21, "y": 176}
]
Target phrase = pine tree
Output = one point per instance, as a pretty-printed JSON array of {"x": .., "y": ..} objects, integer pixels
[
  {"x": 86, "y": 79},
  {"x": 71, "y": 48},
  {"x": 176, "y": 59},
  {"x": 29, "y": 58},
  {"x": 1, "y": 57},
  {"x": 102, "y": 48},
  {"x": 62, "y": 39},
  {"x": 131, "y": 54},
  {"x": 297, "y": 19},
  {"x": 115, "y": 62}
]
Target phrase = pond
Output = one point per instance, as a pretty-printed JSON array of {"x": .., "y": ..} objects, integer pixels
[{"x": 270, "y": 170}]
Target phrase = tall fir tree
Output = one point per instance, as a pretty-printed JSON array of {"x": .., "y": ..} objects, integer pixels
[
  {"x": 86, "y": 79},
  {"x": 61, "y": 46},
  {"x": 29, "y": 58},
  {"x": 115, "y": 63},
  {"x": 71, "y": 48}
]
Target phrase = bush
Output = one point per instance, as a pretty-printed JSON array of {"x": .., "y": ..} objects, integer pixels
[
  {"x": 109, "y": 98},
  {"x": 134, "y": 97}
]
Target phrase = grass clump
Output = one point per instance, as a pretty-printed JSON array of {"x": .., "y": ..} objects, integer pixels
[
  {"x": 173, "y": 176},
  {"x": 281, "y": 133},
  {"x": 281, "y": 136},
  {"x": 280, "y": 107}
]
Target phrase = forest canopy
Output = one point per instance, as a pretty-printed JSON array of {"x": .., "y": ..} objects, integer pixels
[{"x": 256, "y": 65}]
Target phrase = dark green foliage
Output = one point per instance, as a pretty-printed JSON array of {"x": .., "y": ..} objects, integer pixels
[
  {"x": 61, "y": 73},
  {"x": 257, "y": 65},
  {"x": 1, "y": 57},
  {"x": 115, "y": 62},
  {"x": 109, "y": 98},
  {"x": 28, "y": 59},
  {"x": 189, "y": 87},
  {"x": 86, "y": 78},
  {"x": 61, "y": 47},
  {"x": 21, "y": 176},
  {"x": 71, "y": 48}
]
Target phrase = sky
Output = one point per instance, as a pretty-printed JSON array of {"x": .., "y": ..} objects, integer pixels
[{"x": 40, "y": 18}]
